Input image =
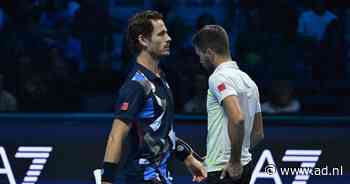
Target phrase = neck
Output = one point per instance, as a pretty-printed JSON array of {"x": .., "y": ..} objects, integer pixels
[
  {"x": 221, "y": 59},
  {"x": 149, "y": 62}
]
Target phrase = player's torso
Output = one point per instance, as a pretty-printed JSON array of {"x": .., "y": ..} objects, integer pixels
[
  {"x": 218, "y": 143},
  {"x": 150, "y": 143}
]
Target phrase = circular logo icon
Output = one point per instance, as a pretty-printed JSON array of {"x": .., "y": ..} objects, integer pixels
[{"x": 270, "y": 169}]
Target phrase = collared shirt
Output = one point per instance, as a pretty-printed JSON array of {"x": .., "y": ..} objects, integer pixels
[
  {"x": 146, "y": 104},
  {"x": 226, "y": 80}
]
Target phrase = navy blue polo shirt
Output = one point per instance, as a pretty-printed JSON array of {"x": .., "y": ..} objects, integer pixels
[{"x": 146, "y": 104}]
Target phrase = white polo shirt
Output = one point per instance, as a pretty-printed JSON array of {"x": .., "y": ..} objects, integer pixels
[{"x": 228, "y": 80}]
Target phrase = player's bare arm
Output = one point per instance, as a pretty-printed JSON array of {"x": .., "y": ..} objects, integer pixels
[
  {"x": 114, "y": 145},
  {"x": 236, "y": 134},
  {"x": 257, "y": 134}
]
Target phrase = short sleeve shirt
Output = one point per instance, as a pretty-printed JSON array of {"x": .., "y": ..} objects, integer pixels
[{"x": 228, "y": 80}]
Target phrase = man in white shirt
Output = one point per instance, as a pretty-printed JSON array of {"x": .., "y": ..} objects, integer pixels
[{"x": 234, "y": 113}]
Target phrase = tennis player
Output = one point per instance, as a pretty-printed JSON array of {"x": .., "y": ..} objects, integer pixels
[
  {"x": 234, "y": 114},
  {"x": 145, "y": 112}
]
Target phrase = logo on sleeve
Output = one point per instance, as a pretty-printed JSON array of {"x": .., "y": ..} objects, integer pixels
[
  {"x": 221, "y": 87},
  {"x": 124, "y": 106}
]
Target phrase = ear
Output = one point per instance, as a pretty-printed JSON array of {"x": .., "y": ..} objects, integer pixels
[
  {"x": 143, "y": 41},
  {"x": 197, "y": 50},
  {"x": 210, "y": 52}
]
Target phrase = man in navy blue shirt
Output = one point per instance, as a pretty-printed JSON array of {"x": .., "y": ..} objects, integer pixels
[{"x": 145, "y": 112}]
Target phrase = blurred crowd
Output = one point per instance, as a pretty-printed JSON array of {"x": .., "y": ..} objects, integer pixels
[{"x": 71, "y": 55}]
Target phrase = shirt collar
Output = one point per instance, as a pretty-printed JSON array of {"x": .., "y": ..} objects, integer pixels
[
  {"x": 148, "y": 73},
  {"x": 227, "y": 64}
]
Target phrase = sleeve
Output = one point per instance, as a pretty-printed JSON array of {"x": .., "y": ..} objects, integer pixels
[
  {"x": 182, "y": 149},
  {"x": 221, "y": 87},
  {"x": 130, "y": 102}
]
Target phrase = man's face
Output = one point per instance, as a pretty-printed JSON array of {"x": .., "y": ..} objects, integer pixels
[
  {"x": 204, "y": 59},
  {"x": 159, "y": 42}
]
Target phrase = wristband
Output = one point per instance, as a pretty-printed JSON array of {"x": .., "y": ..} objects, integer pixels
[
  {"x": 109, "y": 171},
  {"x": 182, "y": 150}
]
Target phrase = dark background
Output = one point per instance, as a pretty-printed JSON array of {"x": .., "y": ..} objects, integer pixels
[
  {"x": 71, "y": 55},
  {"x": 69, "y": 58}
]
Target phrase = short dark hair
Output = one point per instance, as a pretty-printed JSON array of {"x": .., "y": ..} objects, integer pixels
[
  {"x": 140, "y": 24},
  {"x": 213, "y": 37}
]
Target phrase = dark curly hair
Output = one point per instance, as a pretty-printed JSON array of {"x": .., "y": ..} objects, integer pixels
[
  {"x": 213, "y": 37},
  {"x": 140, "y": 24}
]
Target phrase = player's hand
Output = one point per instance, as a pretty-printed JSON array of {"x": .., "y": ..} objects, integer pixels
[
  {"x": 233, "y": 170},
  {"x": 196, "y": 168}
]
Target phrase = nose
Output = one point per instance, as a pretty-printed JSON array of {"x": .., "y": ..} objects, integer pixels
[{"x": 168, "y": 38}]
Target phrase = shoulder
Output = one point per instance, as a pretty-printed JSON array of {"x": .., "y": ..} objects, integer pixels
[
  {"x": 306, "y": 15},
  {"x": 330, "y": 15},
  {"x": 132, "y": 86},
  {"x": 217, "y": 77},
  {"x": 136, "y": 83}
]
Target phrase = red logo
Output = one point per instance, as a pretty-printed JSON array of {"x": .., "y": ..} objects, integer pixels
[
  {"x": 221, "y": 87},
  {"x": 124, "y": 106}
]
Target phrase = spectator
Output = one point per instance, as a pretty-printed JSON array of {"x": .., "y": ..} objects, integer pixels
[
  {"x": 8, "y": 102},
  {"x": 314, "y": 30},
  {"x": 281, "y": 99},
  {"x": 313, "y": 23}
]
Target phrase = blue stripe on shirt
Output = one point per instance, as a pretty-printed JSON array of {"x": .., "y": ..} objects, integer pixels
[
  {"x": 149, "y": 173},
  {"x": 148, "y": 110},
  {"x": 138, "y": 77}
]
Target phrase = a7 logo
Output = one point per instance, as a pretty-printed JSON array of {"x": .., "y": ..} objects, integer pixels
[
  {"x": 307, "y": 158},
  {"x": 39, "y": 156}
]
